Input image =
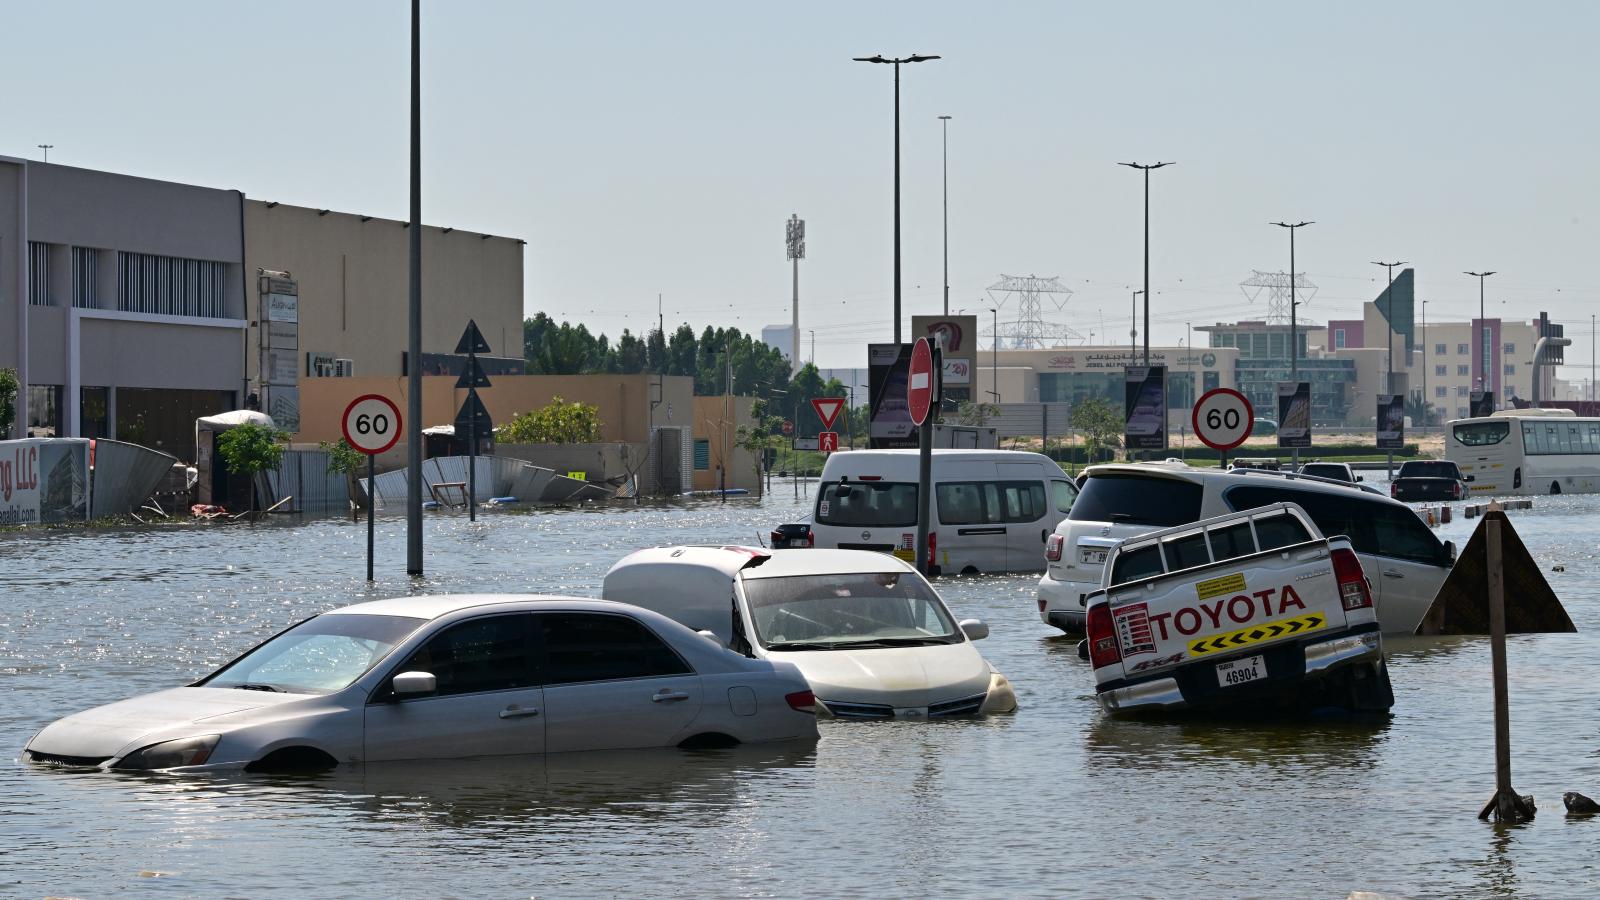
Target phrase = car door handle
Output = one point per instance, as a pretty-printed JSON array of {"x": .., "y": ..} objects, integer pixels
[
  {"x": 668, "y": 696},
  {"x": 519, "y": 712},
  {"x": 1392, "y": 573}
]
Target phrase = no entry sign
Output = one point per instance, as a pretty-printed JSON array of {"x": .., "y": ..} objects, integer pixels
[
  {"x": 371, "y": 424},
  {"x": 919, "y": 382},
  {"x": 1223, "y": 419}
]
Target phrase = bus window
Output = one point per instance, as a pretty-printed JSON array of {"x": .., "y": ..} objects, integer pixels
[{"x": 1478, "y": 434}]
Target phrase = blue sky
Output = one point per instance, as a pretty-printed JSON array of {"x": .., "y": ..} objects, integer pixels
[{"x": 658, "y": 147}]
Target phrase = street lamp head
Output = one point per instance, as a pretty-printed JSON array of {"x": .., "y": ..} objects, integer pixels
[
  {"x": 1389, "y": 265},
  {"x": 1478, "y": 274},
  {"x": 872, "y": 59},
  {"x": 946, "y": 118},
  {"x": 1287, "y": 225},
  {"x": 1147, "y": 167},
  {"x": 917, "y": 57}
]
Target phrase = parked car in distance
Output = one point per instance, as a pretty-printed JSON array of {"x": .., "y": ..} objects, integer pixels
[
  {"x": 446, "y": 676},
  {"x": 792, "y": 535},
  {"x": 1429, "y": 479},
  {"x": 871, "y": 636},
  {"x": 1404, "y": 560},
  {"x": 992, "y": 510},
  {"x": 1263, "y": 427},
  {"x": 1337, "y": 471},
  {"x": 1247, "y": 611}
]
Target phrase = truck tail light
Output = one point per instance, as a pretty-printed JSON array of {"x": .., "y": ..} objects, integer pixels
[
  {"x": 1353, "y": 592},
  {"x": 1052, "y": 547},
  {"x": 1455, "y": 490},
  {"x": 802, "y": 701},
  {"x": 1102, "y": 635},
  {"x": 1394, "y": 489},
  {"x": 811, "y": 538},
  {"x": 933, "y": 549}
]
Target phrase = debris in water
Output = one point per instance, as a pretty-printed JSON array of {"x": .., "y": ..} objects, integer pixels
[{"x": 1579, "y": 805}]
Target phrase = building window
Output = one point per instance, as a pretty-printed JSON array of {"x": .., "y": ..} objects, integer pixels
[
  {"x": 1441, "y": 371},
  {"x": 702, "y": 455},
  {"x": 1441, "y": 391},
  {"x": 1461, "y": 412},
  {"x": 44, "y": 410},
  {"x": 169, "y": 286},
  {"x": 1438, "y": 350},
  {"x": 1463, "y": 391},
  {"x": 1511, "y": 349},
  {"x": 1338, "y": 339},
  {"x": 38, "y": 274},
  {"x": 83, "y": 270},
  {"x": 1511, "y": 368},
  {"x": 1463, "y": 349},
  {"x": 1463, "y": 370}
]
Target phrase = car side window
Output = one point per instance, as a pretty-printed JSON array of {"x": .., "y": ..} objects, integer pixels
[
  {"x": 1187, "y": 552},
  {"x": 582, "y": 647},
  {"x": 1280, "y": 531},
  {"x": 494, "y": 653},
  {"x": 1065, "y": 493},
  {"x": 1401, "y": 535},
  {"x": 1232, "y": 541},
  {"x": 1334, "y": 515}
]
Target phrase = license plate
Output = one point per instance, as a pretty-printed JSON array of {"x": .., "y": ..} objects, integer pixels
[
  {"x": 907, "y": 555},
  {"x": 1241, "y": 671},
  {"x": 1092, "y": 557}
]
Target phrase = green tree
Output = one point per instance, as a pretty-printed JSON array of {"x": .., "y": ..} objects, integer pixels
[
  {"x": 251, "y": 449},
  {"x": 559, "y": 423},
  {"x": 681, "y": 353},
  {"x": 975, "y": 413},
  {"x": 342, "y": 457},
  {"x": 1419, "y": 409},
  {"x": 655, "y": 352},
  {"x": 9, "y": 385},
  {"x": 631, "y": 354},
  {"x": 1101, "y": 425}
]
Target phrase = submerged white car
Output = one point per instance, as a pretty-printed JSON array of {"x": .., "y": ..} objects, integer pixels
[
  {"x": 870, "y": 634},
  {"x": 447, "y": 676}
]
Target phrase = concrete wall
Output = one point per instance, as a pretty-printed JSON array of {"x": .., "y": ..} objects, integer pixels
[
  {"x": 623, "y": 400},
  {"x": 353, "y": 277},
  {"x": 717, "y": 421}
]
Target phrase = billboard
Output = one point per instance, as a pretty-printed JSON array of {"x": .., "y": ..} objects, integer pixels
[
  {"x": 1294, "y": 414},
  {"x": 44, "y": 480},
  {"x": 958, "y": 336},
  {"x": 1145, "y": 408},
  {"x": 889, "y": 418},
  {"x": 1391, "y": 421}
]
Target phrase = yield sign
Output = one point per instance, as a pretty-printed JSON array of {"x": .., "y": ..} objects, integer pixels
[{"x": 827, "y": 409}]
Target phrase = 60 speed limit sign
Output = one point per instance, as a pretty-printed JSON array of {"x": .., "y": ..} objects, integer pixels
[
  {"x": 371, "y": 424},
  {"x": 1223, "y": 419}
]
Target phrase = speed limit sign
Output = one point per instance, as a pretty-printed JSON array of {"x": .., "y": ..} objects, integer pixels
[
  {"x": 371, "y": 424},
  {"x": 1222, "y": 419}
]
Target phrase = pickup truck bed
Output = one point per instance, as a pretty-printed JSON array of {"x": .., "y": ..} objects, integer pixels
[{"x": 1252, "y": 611}]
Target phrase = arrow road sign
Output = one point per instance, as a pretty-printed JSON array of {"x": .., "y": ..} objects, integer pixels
[
  {"x": 472, "y": 340},
  {"x": 828, "y": 441},
  {"x": 472, "y": 376},
  {"x": 827, "y": 409}
]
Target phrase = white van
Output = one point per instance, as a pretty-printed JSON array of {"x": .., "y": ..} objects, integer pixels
[
  {"x": 1404, "y": 560},
  {"x": 992, "y": 509},
  {"x": 870, "y": 635}
]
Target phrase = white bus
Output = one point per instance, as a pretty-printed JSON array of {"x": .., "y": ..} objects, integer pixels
[{"x": 1527, "y": 451}]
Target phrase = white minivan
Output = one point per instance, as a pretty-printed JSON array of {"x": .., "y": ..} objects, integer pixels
[
  {"x": 1403, "y": 559},
  {"x": 870, "y": 635},
  {"x": 992, "y": 509}
]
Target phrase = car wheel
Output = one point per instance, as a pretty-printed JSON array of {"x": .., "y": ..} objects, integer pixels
[
  {"x": 293, "y": 759},
  {"x": 710, "y": 740}
]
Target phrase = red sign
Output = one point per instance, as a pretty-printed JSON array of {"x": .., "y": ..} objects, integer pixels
[
  {"x": 828, "y": 441},
  {"x": 827, "y": 409},
  {"x": 788, "y": 427},
  {"x": 919, "y": 381},
  {"x": 1222, "y": 419},
  {"x": 371, "y": 424}
]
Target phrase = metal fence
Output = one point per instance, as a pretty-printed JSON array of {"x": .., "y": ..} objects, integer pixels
[{"x": 304, "y": 478}]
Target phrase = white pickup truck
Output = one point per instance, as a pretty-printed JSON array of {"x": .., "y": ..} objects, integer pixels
[{"x": 1250, "y": 610}]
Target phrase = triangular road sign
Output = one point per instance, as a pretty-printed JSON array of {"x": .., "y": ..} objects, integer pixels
[
  {"x": 827, "y": 409},
  {"x": 472, "y": 376},
  {"x": 472, "y": 340},
  {"x": 473, "y": 410}
]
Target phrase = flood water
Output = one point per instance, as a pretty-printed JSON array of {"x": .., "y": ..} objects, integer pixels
[{"x": 1056, "y": 800}]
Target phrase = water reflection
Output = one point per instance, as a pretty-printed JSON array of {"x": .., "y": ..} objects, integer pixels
[{"x": 1336, "y": 742}]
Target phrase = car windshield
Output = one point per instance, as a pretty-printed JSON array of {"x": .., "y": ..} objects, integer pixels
[
  {"x": 319, "y": 656},
  {"x": 831, "y": 612},
  {"x": 1428, "y": 470}
]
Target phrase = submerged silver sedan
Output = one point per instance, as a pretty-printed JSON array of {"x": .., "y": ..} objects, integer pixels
[{"x": 444, "y": 677}]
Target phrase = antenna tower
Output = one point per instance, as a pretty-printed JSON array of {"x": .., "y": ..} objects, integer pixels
[
  {"x": 1027, "y": 294},
  {"x": 1276, "y": 286}
]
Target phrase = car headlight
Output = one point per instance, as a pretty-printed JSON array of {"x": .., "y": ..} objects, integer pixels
[{"x": 171, "y": 754}]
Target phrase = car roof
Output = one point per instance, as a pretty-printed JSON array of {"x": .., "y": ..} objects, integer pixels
[
  {"x": 1182, "y": 471},
  {"x": 432, "y": 606},
  {"x": 758, "y": 562}
]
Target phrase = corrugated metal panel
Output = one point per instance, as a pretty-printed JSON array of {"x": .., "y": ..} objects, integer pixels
[
  {"x": 1031, "y": 419},
  {"x": 304, "y": 476},
  {"x": 496, "y": 477},
  {"x": 125, "y": 475}
]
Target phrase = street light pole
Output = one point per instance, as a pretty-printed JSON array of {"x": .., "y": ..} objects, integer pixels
[
  {"x": 1427, "y": 404},
  {"x": 1483, "y": 328},
  {"x": 1294, "y": 340},
  {"x": 46, "y": 148},
  {"x": 1133, "y": 333},
  {"x": 945, "y": 120},
  {"x": 994, "y": 356},
  {"x": 913, "y": 58},
  {"x": 1146, "y": 169},
  {"x": 414, "y": 313},
  {"x": 1389, "y": 382}
]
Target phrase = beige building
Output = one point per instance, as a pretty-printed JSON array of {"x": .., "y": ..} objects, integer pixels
[
  {"x": 716, "y": 435},
  {"x": 343, "y": 280},
  {"x": 1073, "y": 374}
]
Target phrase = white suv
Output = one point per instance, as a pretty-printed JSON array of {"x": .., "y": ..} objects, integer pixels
[{"x": 1405, "y": 561}]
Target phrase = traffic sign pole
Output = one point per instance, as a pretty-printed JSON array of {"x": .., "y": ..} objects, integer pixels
[
  {"x": 371, "y": 425},
  {"x": 372, "y": 480},
  {"x": 921, "y": 401}
]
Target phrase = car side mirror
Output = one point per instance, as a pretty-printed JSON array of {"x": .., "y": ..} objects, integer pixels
[
  {"x": 974, "y": 629},
  {"x": 1359, "y": 478},
  {"x": 1470, "y": 478},
  {"x": 409, "y": 683}
]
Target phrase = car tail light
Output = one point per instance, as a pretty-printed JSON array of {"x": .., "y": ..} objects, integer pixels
[
  {"x": 1394, "y": 489},
  {"x": 1102, "y": 637},
  {"x": 1455, "y": 490},
  {"x": 1052, "y": 547},
  {"x": 1353, "y": 592},
  {"x": 1043, "y": 603},
  {"x": 933, "y": 549},
  {"x": 811, "y": 538},
  {"x": 778, "y": 538},
  {"x": 802, "y": 701}
]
